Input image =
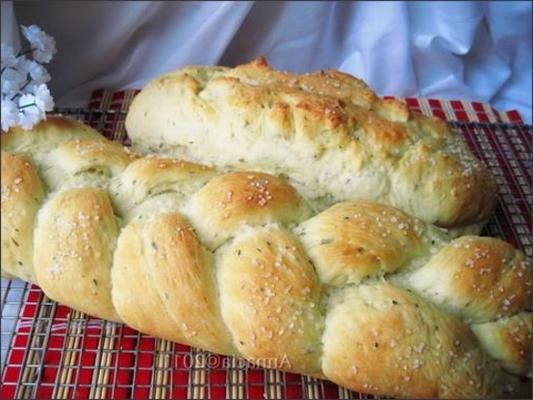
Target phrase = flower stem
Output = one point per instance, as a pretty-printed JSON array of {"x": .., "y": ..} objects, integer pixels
[
  {"x": 26, "y": 106},
  {"x": 22, "y": 53},
  {"x": 21, "y": 89}
]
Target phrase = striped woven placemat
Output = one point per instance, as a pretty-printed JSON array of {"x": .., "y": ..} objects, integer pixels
[
  {"x": 53, "y": 352},
  {"x": 451, "y": 110}
]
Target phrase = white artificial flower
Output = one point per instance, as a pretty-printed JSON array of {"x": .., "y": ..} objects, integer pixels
[
  {"x": 37, "y": 72},
  {"x": 23, "y": 65},
  {"x": 26, "y": 100},
  {"x": 43, "y": 99},
  {"x": 29, "y": 113},
  {"x": 30, "y": 116},
  {"x": 8, "y": 57},
  {"x": 30, "y": 88},
  {"x": 25, "y": 96},
  {"x": 12, "y": 81},
  {"x": 43, "y": 46},
  {"x": 10, "y": 114}
]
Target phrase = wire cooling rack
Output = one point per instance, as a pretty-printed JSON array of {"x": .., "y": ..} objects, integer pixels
[{"x": 50, "y": 351}]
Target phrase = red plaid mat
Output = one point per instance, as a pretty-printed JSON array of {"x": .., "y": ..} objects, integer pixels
[
  {"x": 59, "y": 353},
  {"x": 451, "y": 110}
]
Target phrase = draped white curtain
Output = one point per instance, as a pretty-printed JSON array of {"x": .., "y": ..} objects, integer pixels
[{"x": 462, "y": 50}]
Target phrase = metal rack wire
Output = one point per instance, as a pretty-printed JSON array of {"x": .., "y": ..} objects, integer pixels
[{"x": 50, "y": 351}]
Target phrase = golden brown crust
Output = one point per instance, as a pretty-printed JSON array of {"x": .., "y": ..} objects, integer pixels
[
  {"x": 85, "y": 153},
  {"x": 74, "y": 244},
  {"x": 147, "y": 312},
  {"x": 327, "y": 83},
  {"x": 352, "y": 241},
  {"x": 327, "y": 131},
  {"x": 427, "y": 353},
  {"x": 45, "y": 135},
  {"x": 450, "y": 182},
  {"x": 233, "y": 200},
  {"x": 479, "y": 278},
  {"x": 83, "y": 162},
  {"x": 270, "y": 297},
  {"x": 509, "y": 340},
  {"x": 179, "y": 299},
  {"x": 22, "y": 195}
]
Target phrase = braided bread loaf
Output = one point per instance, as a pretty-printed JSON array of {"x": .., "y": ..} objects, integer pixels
[
  {"x": 326, "y": 131},
  {"x": 238, "y": 263}
]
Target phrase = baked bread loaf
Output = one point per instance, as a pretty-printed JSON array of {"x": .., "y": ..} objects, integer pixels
[
  {"x": 327, "y": 132},
  {"x": 238, "y": 263}
]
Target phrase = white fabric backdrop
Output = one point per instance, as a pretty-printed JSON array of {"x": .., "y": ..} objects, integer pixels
[{"x": 469, "y": 50}]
